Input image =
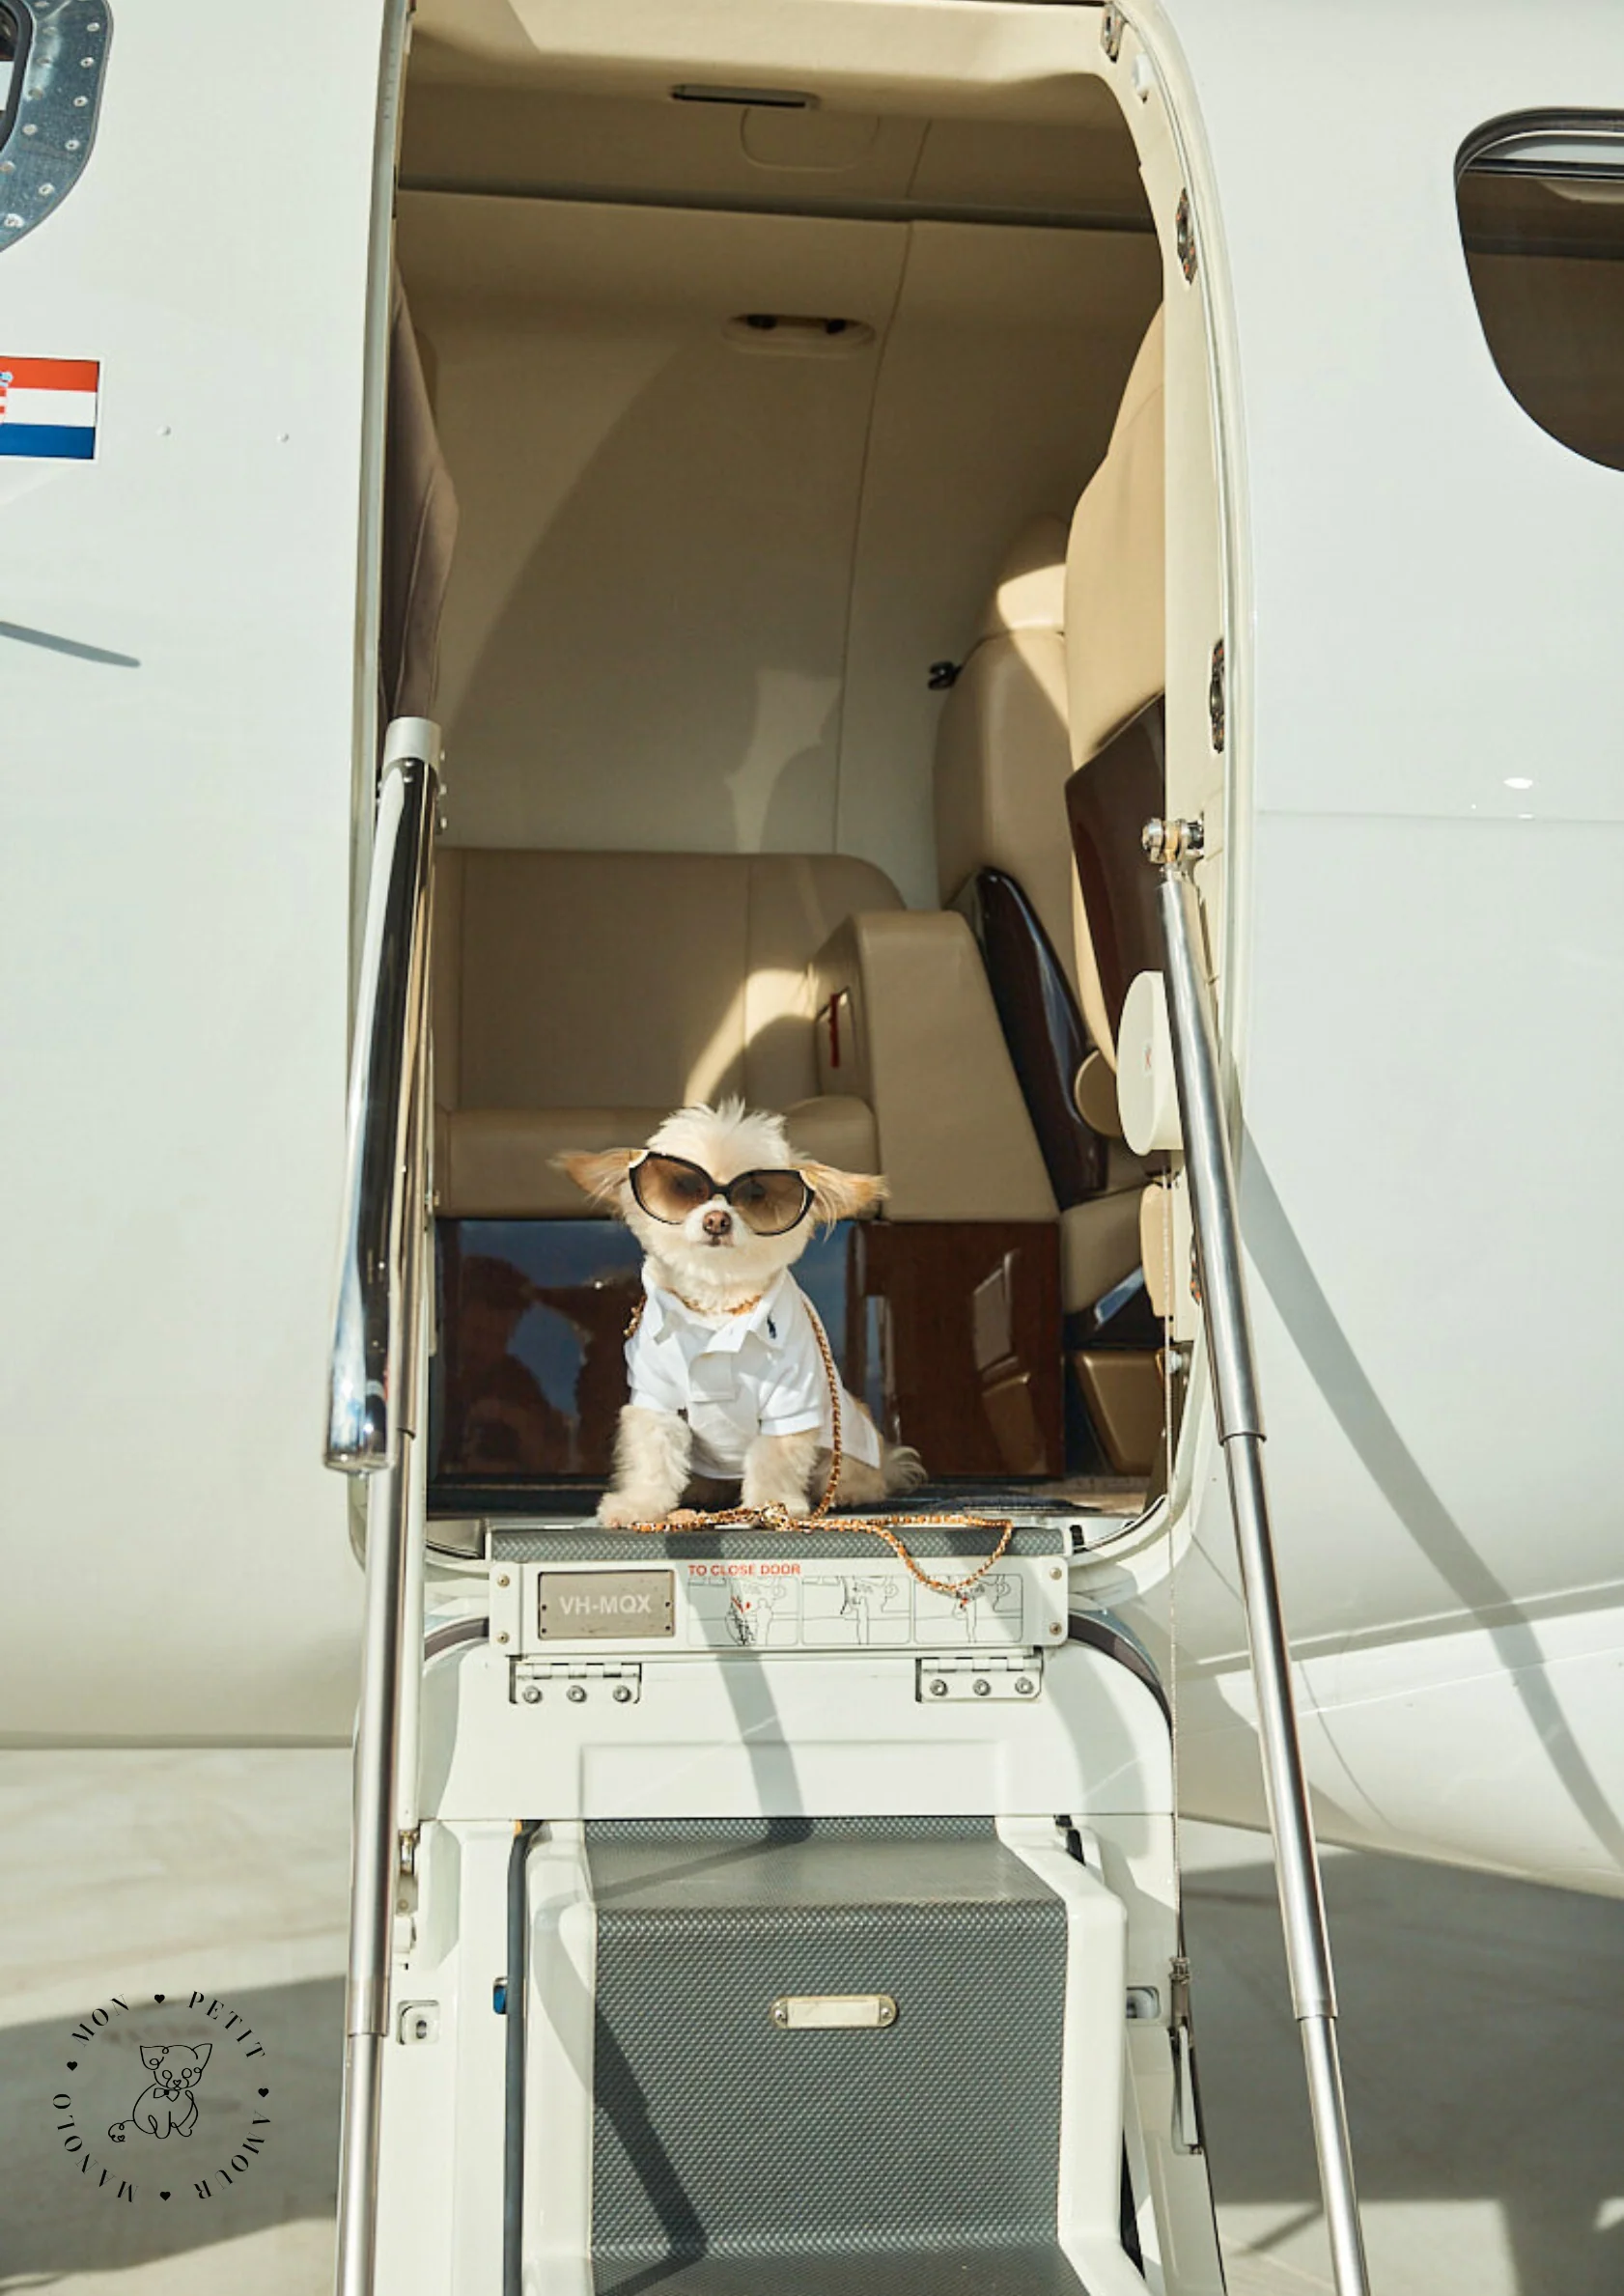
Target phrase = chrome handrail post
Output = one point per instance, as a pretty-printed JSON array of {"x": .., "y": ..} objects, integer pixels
[
  {"x": 1216, "y": 1219},
  {"x": 374, "y": 1394}
]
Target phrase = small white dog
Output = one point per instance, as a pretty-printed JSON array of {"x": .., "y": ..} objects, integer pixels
[{"x": 727, "y": 1379}]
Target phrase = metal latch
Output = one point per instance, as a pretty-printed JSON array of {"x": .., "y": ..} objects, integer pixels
[
  {"x": 1017, "y": 1675},
  {"x": 576, "y": 1680}
]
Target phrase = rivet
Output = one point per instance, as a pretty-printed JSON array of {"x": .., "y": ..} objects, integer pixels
[
  {"x": 72, "y": 143},
  {"x": 44, "y": 191},
  {"x": 80, "y": 102},
  {"x": 87, "y": 63},
  {"x": 982, "y": 1687},
  {"x": 164, "y": 429},
  {"x": 12, "y": 222},
  {"x": 531, "y": 1694},
  {"x": 8, "y": 167},
  {"x": 623, "y": 1694},
  {"x": 504, "y": 1580},
  {"x": 1057, "y": 1572},
  {"x": 501, "y": 1638},
  {"x": 578, "y": 1692},
  {"x": 1057, "y": 1627},
  {"x": 31, "y": 129}
]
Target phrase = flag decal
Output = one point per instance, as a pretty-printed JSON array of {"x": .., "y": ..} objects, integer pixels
[{"x": 48, "y": 408}]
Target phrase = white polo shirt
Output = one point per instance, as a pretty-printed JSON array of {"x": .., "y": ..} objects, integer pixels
[{"x": 760, "y": 1373}]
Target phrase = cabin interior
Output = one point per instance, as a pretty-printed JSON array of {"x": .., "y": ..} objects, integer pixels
[{"x": 800, "y": 670}]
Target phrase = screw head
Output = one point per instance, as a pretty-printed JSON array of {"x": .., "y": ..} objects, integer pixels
[
  {"x": 623, "y": 1694},
  {"x": 501, "y": 1638},
  {"x": 982, "y": 1687},
  {"x": 1023, "y": 1686},
  {"x": 531, "y": 1694},
  {"x": 576, "y": 1694},
  {"x": 939, "y": 1688},
  {"x": 1057, "y": 1627},
  {"x": 504, "y": 1579}
]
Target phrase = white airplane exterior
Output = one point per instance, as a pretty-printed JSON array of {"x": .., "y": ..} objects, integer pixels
[
  {"x": 1420, "y": 970},
  {"x": 749, "y": 337}
]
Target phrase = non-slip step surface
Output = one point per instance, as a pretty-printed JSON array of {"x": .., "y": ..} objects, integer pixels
[
  {"x": 822, "y": 2156},
  {"x": 1041, "y": 2270}
]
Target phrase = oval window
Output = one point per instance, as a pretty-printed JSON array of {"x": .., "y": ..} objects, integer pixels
[{"x": 1541, "y": 207}]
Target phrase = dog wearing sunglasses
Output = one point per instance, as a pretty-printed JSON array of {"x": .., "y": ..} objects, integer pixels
[{"x": 727, "y": 1380}]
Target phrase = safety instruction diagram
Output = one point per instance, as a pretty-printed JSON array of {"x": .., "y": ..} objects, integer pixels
[{"x": 840, "y": 1605}]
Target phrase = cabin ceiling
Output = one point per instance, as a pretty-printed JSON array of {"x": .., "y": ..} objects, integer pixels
[
  {"x": 523, "y": 139},
  {"x": 920, "y": 55}
]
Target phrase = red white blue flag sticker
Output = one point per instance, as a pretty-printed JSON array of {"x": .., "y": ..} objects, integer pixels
[{"x": 48, "y": 408}]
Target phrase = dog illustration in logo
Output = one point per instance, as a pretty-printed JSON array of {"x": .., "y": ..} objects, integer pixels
[{"x": 168, "y": 2108}]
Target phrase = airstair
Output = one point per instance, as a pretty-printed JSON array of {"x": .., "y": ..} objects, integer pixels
[{"x": 763, "y": 1908}]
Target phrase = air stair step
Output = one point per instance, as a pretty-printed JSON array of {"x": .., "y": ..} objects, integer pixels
[{"x": 912, "y": 2148}]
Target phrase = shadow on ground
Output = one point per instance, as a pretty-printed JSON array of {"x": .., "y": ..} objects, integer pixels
[
  {"x": 1481, "y": 2051},
  {"x": 56, "y": 2220}
]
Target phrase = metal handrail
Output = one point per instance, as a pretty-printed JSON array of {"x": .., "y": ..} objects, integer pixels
[
  {"x": 375, "y": 1397},
  {"x": 1172, "y": 845},
  {"x": 366, "y": 1369}
]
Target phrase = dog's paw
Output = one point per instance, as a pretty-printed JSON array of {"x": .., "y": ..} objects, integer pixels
[
  {"x": 904, "y": 1469},
  {"x": 619, "y": 1510}
]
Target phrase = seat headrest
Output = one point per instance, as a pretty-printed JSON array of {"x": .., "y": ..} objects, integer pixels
[
  {"x": 1115, "y": 609},
  {"x": 1031, "y": 590}
]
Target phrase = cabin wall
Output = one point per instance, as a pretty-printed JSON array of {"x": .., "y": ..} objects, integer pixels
[{"x": 701, "y": 577}]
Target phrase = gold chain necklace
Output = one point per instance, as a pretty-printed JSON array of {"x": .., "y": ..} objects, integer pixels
[{"x": 879, "y": 1527}]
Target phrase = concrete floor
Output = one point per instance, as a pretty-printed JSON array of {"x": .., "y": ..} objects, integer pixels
[{"x": 1480, "y": 2023}]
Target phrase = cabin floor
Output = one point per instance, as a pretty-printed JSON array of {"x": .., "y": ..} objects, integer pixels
[{"x": 1468, "y": 2021}]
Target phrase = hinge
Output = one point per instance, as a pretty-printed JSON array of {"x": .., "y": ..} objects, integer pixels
[
  {"x": 1111, "y": 28},
  {"x": 1016, "y": 1676},
  {"x": 575, "y": 1680}
]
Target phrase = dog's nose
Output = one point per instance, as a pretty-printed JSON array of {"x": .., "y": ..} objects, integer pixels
[{"x": 718, "y": 1222}]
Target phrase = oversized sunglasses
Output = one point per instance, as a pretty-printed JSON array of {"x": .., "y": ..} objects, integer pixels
[{"x": 669, "y": 1187}]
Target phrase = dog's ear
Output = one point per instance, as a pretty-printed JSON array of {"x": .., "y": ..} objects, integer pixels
[
  {"x": 599, "y": 1172},
  {"x": 203, "y": 2054},
  {"x": 842, "y": 1195},
  {"x": 153, "y": 2058}
]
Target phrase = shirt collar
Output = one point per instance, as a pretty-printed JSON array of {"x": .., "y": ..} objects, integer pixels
[{"x": 665, "y": 1309}]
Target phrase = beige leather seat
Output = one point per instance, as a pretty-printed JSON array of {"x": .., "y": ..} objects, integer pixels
[
  {"x": 1115, "y": 612},
  {"x": 1002, "y": 750},
  {"x": 577, "y": 997},
  {"x": 1061, "y": 644}
]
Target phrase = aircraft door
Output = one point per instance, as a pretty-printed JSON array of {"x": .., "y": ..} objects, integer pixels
[{"x": 189, "y": 370}]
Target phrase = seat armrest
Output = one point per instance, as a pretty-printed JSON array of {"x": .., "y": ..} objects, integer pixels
[{"x": 905, "y": 1020}]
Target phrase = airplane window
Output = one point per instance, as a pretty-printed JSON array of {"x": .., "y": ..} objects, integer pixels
[{"x": 1542, "y": 219}]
